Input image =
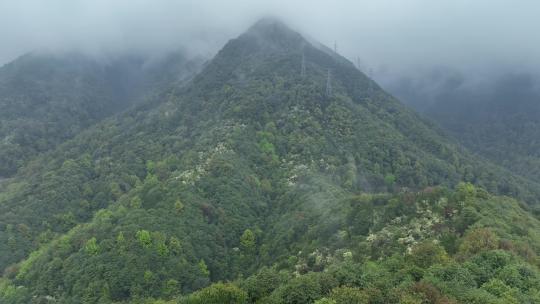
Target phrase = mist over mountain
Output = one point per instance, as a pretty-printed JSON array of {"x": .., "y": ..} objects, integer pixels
[
  {"x": 46, "y": 99},
  {"x": 496, "y": 116},
  {"x": 204, "y": 153},
  {"x": 471, "y": 37},
  {"x": 278, "y": 174}
]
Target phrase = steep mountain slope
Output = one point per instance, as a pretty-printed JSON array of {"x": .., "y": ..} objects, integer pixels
[
  {"x": 502, "y": 126},
  {"x": 498, "y": 120},
  {"x": 250, "y": 164},
  {"x": 46, "y": 99}
]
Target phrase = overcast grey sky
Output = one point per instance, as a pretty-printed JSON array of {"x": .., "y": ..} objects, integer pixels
[{"x": 388, "y": 35}]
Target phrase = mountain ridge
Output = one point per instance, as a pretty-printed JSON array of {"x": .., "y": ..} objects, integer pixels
[
  {"x": 46, "y": 99},
  {"x": 251, "y": 164}
]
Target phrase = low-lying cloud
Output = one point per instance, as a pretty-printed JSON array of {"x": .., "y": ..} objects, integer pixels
[{"x": 393, "y": 38}]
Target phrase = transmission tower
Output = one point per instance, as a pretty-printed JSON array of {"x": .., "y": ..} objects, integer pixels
[{"x": 328, "y": 85}]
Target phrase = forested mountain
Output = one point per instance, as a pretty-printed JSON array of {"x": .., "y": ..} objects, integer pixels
[
  {"x": 282, "y": 170},
  {"x": 498, "y": 119},
  {"x": 46, "y": 99}
]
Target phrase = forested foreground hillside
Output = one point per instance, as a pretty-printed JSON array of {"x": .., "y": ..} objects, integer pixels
[
  {"x": 433, "y": 246},
  {"x": 279, "y": 174}
]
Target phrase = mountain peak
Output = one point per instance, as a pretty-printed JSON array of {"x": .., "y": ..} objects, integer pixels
[
  {"x": 273, "y": 34},
  {"x": 269, "y": 23},
  {"x": 271, "y": 47},
  {"x": 267, "y": 38}
]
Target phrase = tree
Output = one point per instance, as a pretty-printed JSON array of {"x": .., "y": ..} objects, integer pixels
[
  {"x": 135, "y": 202},
  {"x": 161, "y": 246},
  {"x": 389, "y": 180},
  {"x": 203, "y": 268},
  {"x": 426, "y": 254},
  {"x": 178, "y": 206},
  {"x": 144, "y": 238},
  {"x": 349, "y": 295},
  {"x": 171, "y": 288},
  {"x": 465, "y": 191},
  {"x": 303, "y": 289},
  {"x": 218, "y": 293},
  {"x": 478, "y": 240},
  {"x": 261, "y": 284},
  {"x": 247, "y": 241},
  {"x": 497, "y": 287},
  {"x": 121, "y": 241},
  {"x": 467, "y": 217},
  {"x": 175, "y": 245},
  {"x": 91, "y": 247}
]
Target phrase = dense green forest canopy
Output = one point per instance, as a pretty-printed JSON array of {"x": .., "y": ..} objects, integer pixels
[
  {"x": 499, "y": 119},
  {"x": 46, "y": 99},
  {"x": 253, "y": 183}
]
